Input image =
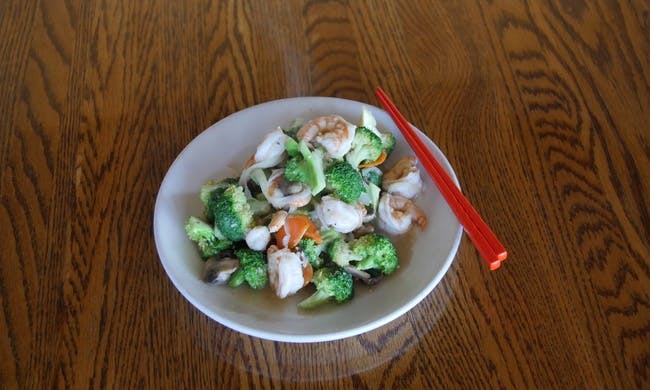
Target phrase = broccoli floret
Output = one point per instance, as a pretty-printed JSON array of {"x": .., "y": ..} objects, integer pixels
[
  {"x": 332, "y": 283},
  {"x": 203, "y": 235},
  {"x": 307, "y": 168},
  {"x": 329, "y": 235},
  {"x": 374, "y": 192},
  {"x": 344, "y": 181},
  {"x": 387, "y": 139},
  {"x": 212, "y": 185},
  {"x": 259, "y": 206},
  {"x": 312, "y": 251},
  {"x": 295, "y": 170},
  {"x": 232, "y": 214},
  {"x": 376, "y": 252},
  {"x": 370, "y": 199},
  {"x": 372, "y": 175},
  {"x": 292, "y": 147},
  {"x": 387, "y": 142},
  {"x": 340, "y": 252},
  {"x": 252, "y": 269},
  {"x": 366, "y": 146}
]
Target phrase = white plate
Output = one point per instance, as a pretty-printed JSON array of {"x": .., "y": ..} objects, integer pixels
[{"x": 219, "y": 152}]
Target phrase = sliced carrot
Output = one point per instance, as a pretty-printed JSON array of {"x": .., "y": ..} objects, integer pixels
[
  {"x": 295, "y": 234},
  {"x": 296, "y": 226},
  {"x": 313, "y": 234},
  {"x": 311, "y": 231},
  {"x": 279, "y": 237},
  {"x": 378, "y": 161},
  {"x": 307, "y": 273}
]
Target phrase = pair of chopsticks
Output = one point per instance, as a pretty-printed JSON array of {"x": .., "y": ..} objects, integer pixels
[{"x": 487, "y": 243}]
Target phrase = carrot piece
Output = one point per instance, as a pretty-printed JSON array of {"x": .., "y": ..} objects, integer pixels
[
  {"x": 311, "y": 231},
  {"x": 313, "y": 234},
  {"x": 296, "y": 226},
  {"x": 295, "y": 234},
  {"x": 279, "y": 238},
  {"x": 378, "y": 161},
  {"x": 307, "y": 273}
]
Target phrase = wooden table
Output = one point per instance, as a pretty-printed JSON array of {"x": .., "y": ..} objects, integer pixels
[{"x": 542, "y": 109}]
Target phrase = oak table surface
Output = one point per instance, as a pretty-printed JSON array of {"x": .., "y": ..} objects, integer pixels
[{"x": 543, "y": 109}]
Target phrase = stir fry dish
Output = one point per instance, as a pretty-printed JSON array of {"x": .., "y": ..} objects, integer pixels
[{"x": 313, "y": 208}]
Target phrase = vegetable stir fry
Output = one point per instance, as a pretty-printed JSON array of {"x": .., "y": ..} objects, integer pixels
[{"x": 308, "y": 211}]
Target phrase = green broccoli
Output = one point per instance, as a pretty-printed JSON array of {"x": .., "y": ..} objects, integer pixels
[
  {"x": 259, "y": 206},
  {"x": 370, "y": 199},
  {"x": 231, "y": 213},
  {"x": 307, "y": 168},
  {"x": 344, "y": 181},
  {"x": 252, "y": 269},
  {"x": 312, "y": 251},
  {"x": 329, "y": 235},
  {"x": 387, "y": 139},
  {"x": 203, "y": 235},
  {"x": 387, "y": 142},
  {"x": 372, "y": 175},
  {"x": 374, "y": 192},
  {"x": 376, "y": 252},
  {"x": 366, "y": 146},
  {"x": 340, "y": 252},
  {"x": 332, "y": 283},
  {"x": 292, "y": 147},
  {"x": 212, "y": 185}
]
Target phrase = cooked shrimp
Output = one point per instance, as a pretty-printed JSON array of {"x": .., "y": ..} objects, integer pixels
[
  {"x": 258, "y": 238},
  {"x": 332, "y": 132},
  {"x": 288, "y": 273},
  {"x": 283, "y": 194},
  {"x": 277, "y": 220},
  {"x": 403, "y": 178},
  {"x": 341, "y": 216},
  {"x": 271, "y": 146},
  {"x": 269, "y": 153},
  {"x": 396, "y": 213}
]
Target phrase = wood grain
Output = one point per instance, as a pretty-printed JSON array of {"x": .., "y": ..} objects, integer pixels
[{"x": 543, "y": 109}]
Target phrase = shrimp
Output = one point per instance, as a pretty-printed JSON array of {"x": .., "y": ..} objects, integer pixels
[
  {"x": 285, "y": 194},
  {"x": 341, "y": 216},
  {"x": 269, "y": 153},
  {"x": 332, "y": 132},
  {"x": 403, "y": 178},
  {"x": 396, "y": 213},
  {"x": 279, "y": 192},
  {"x": 271, "y": 147},
  {"x": 288, "y": 272}
]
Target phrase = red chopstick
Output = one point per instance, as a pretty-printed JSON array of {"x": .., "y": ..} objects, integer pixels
[{"x": 487, "y": 243}]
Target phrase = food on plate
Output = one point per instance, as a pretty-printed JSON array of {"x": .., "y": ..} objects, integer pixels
[
  {"x": 403, "y": 178},
  {"x": 396, "y": 214},
  {"x": 332, "y": 283},
  {"x": 314, "y": 208}
]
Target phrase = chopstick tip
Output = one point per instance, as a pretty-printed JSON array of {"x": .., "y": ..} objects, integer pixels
[{"x": 495, "y": 265}]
